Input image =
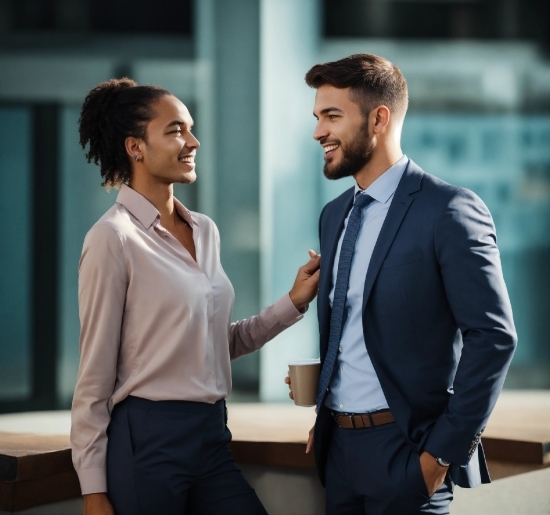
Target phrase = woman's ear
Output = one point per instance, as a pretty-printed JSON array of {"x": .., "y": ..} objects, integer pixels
[{"x": 133, "y": 149}]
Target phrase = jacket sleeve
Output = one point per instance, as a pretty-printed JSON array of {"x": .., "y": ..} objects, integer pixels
[
  {"x": 472, "y": 276},
  {"x": 102, "y": 286}
]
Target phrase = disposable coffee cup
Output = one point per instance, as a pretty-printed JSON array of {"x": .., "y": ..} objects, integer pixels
[{"x": 304, "y": 378}]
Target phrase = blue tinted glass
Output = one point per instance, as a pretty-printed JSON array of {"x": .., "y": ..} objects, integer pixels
[
  {"x": 505, "y": 159},
  {"x": 83, "y": 201},
  {"x": 16, "y": 253}
]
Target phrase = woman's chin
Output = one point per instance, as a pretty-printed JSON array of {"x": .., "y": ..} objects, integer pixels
[{"x": 188, "y": 178}]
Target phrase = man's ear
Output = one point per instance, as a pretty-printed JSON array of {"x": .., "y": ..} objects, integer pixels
[
  {"x": 380, "y": 119},
  {"x": 132, "y": 146}
]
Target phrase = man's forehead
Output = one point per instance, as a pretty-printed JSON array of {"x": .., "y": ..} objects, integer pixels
[{"x": 331, "y": 97}]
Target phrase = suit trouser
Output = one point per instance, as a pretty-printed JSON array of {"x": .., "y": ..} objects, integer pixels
[
  {"x": 374, "y": 471},
  {"x": 172, "y": 457}
]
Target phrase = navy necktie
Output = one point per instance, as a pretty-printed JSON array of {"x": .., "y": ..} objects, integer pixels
[{"x": 340, "y": 294}]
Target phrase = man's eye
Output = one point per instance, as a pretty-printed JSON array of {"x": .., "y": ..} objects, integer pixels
[{"x": 332, "y": 116}]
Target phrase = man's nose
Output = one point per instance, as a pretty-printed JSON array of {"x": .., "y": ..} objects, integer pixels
[{"x": 320, "y": 132}]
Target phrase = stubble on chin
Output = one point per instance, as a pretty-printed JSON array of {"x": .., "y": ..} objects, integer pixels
[
  {"x": 353, "y": 159},
  {"x": 349, "y": 165},
  {"x": 333, "y": 173}
]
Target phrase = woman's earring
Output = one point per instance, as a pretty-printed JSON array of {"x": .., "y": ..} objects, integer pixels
[{"x": 136, "y": 158}]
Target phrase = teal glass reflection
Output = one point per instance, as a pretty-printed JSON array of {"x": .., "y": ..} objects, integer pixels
[
  {"x": 83, "y": 202},
  {"x": 16, "y": 253},
  {"x": 505, "y": 159}
]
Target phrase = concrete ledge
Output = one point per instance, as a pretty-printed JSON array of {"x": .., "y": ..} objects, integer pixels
[
  {"x": 68, "y": 507},
  {"x": 269, "y": 441},
  {"x": 527, "y": 494}
]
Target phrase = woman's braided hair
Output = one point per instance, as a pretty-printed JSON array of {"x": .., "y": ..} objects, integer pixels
[{"x": 113, "y": 111}]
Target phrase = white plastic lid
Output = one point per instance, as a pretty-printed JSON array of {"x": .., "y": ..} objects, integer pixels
[{"x": 298, "y": 362}]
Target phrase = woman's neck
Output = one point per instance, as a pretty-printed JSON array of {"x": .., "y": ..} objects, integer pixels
[{"x": 161, "y": 196}]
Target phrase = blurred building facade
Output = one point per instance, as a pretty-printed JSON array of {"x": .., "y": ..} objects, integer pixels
[{"x": 479, "y": 83}]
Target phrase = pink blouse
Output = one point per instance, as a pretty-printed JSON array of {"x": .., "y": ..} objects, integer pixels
[{"x": 154, "y": 323}]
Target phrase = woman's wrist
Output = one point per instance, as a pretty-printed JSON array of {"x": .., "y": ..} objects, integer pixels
[{"x": 299, "y": 305}]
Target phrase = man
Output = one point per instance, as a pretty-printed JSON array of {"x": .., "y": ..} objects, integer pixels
[{"x": 416, "y": 328}]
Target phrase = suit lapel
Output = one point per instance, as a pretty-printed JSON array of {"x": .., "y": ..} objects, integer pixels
[{"x": 409, "y": 183}]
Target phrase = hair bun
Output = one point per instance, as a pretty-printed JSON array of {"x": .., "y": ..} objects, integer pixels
[
  {"x": 98, "y": 102},
  {"x": 112, "y": 111}
]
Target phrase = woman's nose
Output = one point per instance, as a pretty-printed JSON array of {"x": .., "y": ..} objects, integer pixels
[{"x": 193, "y": 142}]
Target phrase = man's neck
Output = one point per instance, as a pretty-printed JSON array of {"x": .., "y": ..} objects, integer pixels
[{"x": 382, "y": 160}]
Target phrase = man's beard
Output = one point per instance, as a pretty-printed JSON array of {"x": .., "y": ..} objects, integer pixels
[{"x": 354, "y": 156}]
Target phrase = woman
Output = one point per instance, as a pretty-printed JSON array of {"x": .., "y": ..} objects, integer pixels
[{"x": 149, "y": 430}]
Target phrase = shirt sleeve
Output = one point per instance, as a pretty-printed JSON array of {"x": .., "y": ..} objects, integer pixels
[
  {"x": 249, "y": 335},
  {"x": 102, "y": 288}
]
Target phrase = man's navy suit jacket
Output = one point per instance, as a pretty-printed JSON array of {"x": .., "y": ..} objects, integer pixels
[{"x": 437, "y": 319}]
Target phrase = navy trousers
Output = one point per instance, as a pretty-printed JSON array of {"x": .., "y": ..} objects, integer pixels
[
  {"x": 373, "y": 471},
  {"x": 172, "y": 458}
]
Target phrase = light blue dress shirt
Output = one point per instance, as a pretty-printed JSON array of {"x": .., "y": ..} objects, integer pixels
[{"x": 355, "y": 387}]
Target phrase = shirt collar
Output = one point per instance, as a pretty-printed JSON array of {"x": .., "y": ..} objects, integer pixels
[
  {"x": 383, "y": 188},
  {"x": 143, "y": 210},
  {"x": 184, "y": 212}
]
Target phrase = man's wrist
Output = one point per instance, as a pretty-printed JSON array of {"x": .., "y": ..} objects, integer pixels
[{"x": 442, "y": 462}]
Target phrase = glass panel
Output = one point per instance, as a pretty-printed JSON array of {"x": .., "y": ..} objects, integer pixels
[
  {"x": 83, "y": 202},
  {"x": 505, "y": 159},
  {"x": 16, "y": 253}
]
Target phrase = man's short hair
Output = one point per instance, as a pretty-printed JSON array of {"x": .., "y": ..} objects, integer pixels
[{"x": 373, "y": 81}]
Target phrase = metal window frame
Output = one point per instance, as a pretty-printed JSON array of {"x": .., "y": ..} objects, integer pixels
[{"x": 45, "y": 248}]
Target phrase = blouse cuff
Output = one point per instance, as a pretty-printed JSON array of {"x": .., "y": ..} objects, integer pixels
[
  {"x": 285, "y": 311},
  {"x": 92, "y": 481}
]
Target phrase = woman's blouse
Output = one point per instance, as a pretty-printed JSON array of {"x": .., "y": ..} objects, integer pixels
[{"x": 154, "y": 323}]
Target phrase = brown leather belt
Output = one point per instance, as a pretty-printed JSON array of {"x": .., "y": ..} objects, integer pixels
[{"x": 362, "y": 420}]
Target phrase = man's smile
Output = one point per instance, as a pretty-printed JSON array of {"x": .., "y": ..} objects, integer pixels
[{"x": 330, "y": 148}]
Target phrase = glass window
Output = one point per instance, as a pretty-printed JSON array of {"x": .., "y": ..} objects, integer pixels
[
  {"x": 16, "y": 253},
  {"x": 83, "y": 202},
  {"x": 505, "y": 159}
]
